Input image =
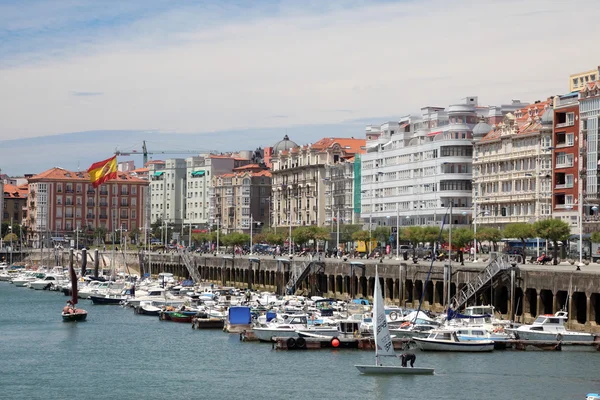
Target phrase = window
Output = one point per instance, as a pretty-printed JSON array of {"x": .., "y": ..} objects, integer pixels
[
  {"x": 570, "y": 119},
  {"x": 570, "y": 139},
  {"x": 569, "y": 181}
]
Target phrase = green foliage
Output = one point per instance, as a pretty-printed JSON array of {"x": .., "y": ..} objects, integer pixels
[
  {"x": 11, "y": 237},
  {"x": 382, "y": 234},
  {"x": 134, "y": 234},
  {"x": 275, "y": 238},
  {"x": 414, "y": 234},
  {"x": 595, "y": 237},
  {"x": 200, "y": 237},
  {"x": 555, "y": 230},
  {"x": 430, "y": 234},
  {"x": 347, "y": 230},
  {"x": 300, "y": 236},
  {"x": 259, "y": 238},
  {"x": 488, "y": 234},
  {"x": 361, "y": 236},
  {"x": 461, "y": 237},
  {"x": 521, "y": 230}
]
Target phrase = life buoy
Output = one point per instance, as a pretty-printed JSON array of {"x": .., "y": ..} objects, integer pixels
[
  {"x": 405, "y": 324},
  {"x": 393, "y": 315}
]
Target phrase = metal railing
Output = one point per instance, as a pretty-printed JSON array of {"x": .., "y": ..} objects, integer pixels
[
  {"x": 188, "y": 261},
  {"x": 501, "y": 263}
]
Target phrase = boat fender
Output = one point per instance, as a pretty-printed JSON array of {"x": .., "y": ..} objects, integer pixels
[
  {"x": 300, "y": 343},
  {"x": 405, "y": 324},
  {"x": 393, "y": 315},
  {"x": 291, "y": 343},
  {"x": 356, "y": 334},
  {"x": 559, "y": 337}
]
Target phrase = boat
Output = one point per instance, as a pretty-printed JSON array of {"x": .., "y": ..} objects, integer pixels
[
  {"x": 550, "y": 327},
  {"x": 70, "y": 313},
  {"x": 46, "y": 283},
  {"x": 383, "y": 343},
  {"x": 176, "y": 316},
  {"x": 108, "y": 299},
  {"x": 146, "y": 308},
  {"x": 448, "y": 340},
  {"x": 289, "y": 328},
  {"x": 592, "y": 396}
]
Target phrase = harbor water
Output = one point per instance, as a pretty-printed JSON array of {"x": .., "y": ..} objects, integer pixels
[{"x": 118, "y": 355}]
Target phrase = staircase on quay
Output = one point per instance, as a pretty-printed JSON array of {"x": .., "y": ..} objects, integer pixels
[
  {"x": 495, "y": 267},
  {"x": 188, "y": 261}
]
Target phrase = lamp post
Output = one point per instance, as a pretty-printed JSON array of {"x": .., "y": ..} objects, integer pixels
[
  {"x": 77, "y": 238},
  {"x": 397, "y": 232},
  {"x": 251, "y": 223},
  {"x": 290, "y": 223},
  {"x": 337, "y": 236},
  {"x": 11, "y": 245}
]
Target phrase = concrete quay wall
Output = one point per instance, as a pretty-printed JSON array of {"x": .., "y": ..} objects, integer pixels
[{"x": 537, "y": 289}]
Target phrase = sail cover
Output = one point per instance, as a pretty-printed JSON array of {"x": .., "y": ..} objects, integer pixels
[
  {"x": 73, "y": 277},
  {"x": 383, "y": 341}
]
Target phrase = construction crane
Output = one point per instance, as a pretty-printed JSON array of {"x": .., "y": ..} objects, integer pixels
[{"x": 145, "y": 152}]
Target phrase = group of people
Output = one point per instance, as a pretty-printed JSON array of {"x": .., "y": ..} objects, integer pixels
[{"x": 69, "y": 308}]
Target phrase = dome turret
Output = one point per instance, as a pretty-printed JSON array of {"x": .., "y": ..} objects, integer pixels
[{"x": 284, "y": 144}]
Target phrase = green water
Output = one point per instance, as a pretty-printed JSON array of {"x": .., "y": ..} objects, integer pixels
[{"x": 119, "y": 355}]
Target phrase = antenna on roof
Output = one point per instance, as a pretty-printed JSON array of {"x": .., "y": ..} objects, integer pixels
[{"x": 77, "y": 165}]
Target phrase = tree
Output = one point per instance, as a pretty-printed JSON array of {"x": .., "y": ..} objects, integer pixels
[
  {"x": 347, "y": 230},
  {"x": 414, "y": 234},
  {"x": 301, "y": 235},
  {"x": 276, "y": 239},
  {"x": 520, "y": 230},
  {"x": 460, "y": 238},
  {"x": 134, "y": 234},
  {"x": 382, "y": 234},
  {"x": 430, "y": 234},
  {"x": 259, "y": 238},
  {"x": 316, "y": 233},
  {"x": 361, "y": 236},
  {"x": 155, "y": 227},
  {"x": 489, "y": 234},
  {"x": 11, "y": 237},
  {"x": 555, "y": 230},
  {"x": 100, "y": 233}
]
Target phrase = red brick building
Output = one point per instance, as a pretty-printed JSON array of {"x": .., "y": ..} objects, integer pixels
[
  {"x": 565, "y": 163},
  {"x": 61, "y": 202}
]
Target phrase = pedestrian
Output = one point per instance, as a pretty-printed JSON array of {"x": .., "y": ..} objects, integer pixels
[{"x": 406, "y": 357}]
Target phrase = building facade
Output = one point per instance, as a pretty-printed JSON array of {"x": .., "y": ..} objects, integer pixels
[
  {"x": 14, "y": 204},
  {"x": 61, "y": 203},
  {"x": 416, "y": 168},
  {"x": 342, "y": 184},
  {"x": 566, "y": 183},
  {"x": 512, "y": 168},
  {"x": 242, "y": 198},
  {"x": 589, "y": 113},
  {"x": 299, "y": 185},
  {"x": 579, "y": 80}
]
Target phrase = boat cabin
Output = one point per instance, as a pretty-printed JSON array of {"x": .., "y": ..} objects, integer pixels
[
  {"x": 548, "y": 320},
  {"x": 444, "y": 335},
  {"x": 479, "y": 310}
]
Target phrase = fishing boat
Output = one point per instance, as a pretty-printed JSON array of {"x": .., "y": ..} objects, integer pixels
[
  {"x": 383, "y": 343},
  {"x": 70, "y": 313},
  {"x": 550, "y": 327}
]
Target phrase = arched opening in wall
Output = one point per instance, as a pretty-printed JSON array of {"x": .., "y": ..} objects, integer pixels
[
  {"x": 518, "y": 301},
  {"x": 547, "y": 301},
  {"x": 355, "y": 287},
  {"x": 273, "y": 278},
  {"x": 339, "y": 284},
  {"x": 531, "y": 295},
  {"x": 453, "y": 289},
  {"x": 580, "y": 307},
  {"x": 286, "y": 277},
  {"x": 418, "y": 290},
  {"x": 363, "y": 286},
  {"x": 409, "y": 290},
  {"x": 331, "y": 283},
  {"x": 501, "y": 295},
  {"x": 389, "y": 288},
  {"x": 429, "y": 292},
  {"x": 347, "y": 283},
  {"x": 397, "y": 288},
  {"x": 370, "y": 287},
  {"x": 562, "y": 300},
  {"x": 220, "y": 274},
  {"x": 439, "y": 289},
  {"x": 595, "y": 307}
]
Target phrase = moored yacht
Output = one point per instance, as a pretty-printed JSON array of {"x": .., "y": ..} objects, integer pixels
[
  {"x": 448, "y": 340},
  {"x": 551, "y": 327},
  {"x": 290, "y": 327}
]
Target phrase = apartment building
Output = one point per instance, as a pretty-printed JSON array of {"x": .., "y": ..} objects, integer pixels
[
  {"x": 342, "y": 190},
  {"x": 14, "y": 203},
  {"x": 61, "y": 202},
  {"x": 579, "y": 80},
  {"x": 589, "y": 115},
  {"x": 415, "y": 168},
  {"x": 512, "y": 167},
  {"x": 242, "y": 198},
  {"x": 566, "y": 183},
  {"x": 299, "y": 185}
]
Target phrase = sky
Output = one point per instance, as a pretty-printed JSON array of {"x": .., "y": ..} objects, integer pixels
[{"x": 258, "y": 68}]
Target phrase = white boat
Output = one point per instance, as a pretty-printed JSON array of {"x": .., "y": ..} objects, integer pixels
[
  {"x": 290, "y": 328},
  {"x": 24, "y": 279},
  {"x": 592, "y": 396},
  {"x": 551, "y": 327},
  {"x": 447, "y": 340},
  {"x": 46, "y": 282},
  {"x": 383, "y": 342}
]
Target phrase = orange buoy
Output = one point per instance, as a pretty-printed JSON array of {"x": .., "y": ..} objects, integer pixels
[{"x": 335, "y": 342}]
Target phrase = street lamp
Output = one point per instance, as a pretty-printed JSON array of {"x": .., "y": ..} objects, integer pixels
[
  {"x": 77, "y": 238},
  {"x": 11, "y": 252}
]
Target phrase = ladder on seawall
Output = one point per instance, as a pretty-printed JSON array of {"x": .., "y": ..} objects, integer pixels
[
  {"x": 295, "y": 276},
  {"x": 502, "y": 263},
  {"x": 188, "y": 261}
]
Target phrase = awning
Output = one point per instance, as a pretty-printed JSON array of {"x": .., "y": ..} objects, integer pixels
[
  {"x": 198, "y": 173},
  {"x": 434, "y": 133},
  {"x": 159, "y": 173}
]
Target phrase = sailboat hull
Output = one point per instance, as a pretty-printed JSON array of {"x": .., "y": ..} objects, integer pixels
[
  {"x": 392, "y": 370},
  {"x": 79, "y": 316}
]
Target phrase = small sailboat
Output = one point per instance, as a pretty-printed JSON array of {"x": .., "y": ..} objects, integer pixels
[
  {"x": 70, "y": 313},
  {"x": 383, "y": 342}
]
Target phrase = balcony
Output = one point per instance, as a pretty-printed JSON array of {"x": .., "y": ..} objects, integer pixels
[
  {"x": 89, "y": 216},
  {"x": 68, "y": 215},
  {"x": 91, "y": 191},
  {"x": 103, "y": 216},
  {"x": 104, "y": 192},
  {"x": 69, "y": 190},
  {"x": 90, "y": 204}
]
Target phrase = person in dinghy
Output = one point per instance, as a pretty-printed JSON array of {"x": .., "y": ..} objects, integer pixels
[{"x": 408, "y": 357}]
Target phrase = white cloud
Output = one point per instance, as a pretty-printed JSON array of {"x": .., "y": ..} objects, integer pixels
[{"x": 185, "y": 72}]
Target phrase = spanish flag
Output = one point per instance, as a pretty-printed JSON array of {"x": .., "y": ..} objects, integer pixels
[{"x": 103, "y": 171}]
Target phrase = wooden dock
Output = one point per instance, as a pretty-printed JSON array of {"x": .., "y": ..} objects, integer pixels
[{"x": 308, "y": 343}]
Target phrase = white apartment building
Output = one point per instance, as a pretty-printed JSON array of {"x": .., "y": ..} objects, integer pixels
[
  {"x": 512, "y": 167},
  {"x": 589, "y": 116},
  {"x": 168, "y": 191},
  {"x": 415, "y": 168}
]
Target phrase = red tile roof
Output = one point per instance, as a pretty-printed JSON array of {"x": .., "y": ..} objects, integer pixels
[
  {"x": 524, "y": 121},
  {"x": 60, "y": 174},
  {"x": 14, "y": 192},
  {"x": 347, "y": 145}
]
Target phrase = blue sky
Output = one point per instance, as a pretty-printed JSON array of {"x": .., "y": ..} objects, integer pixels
[{"x": 261, "y": 67}]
